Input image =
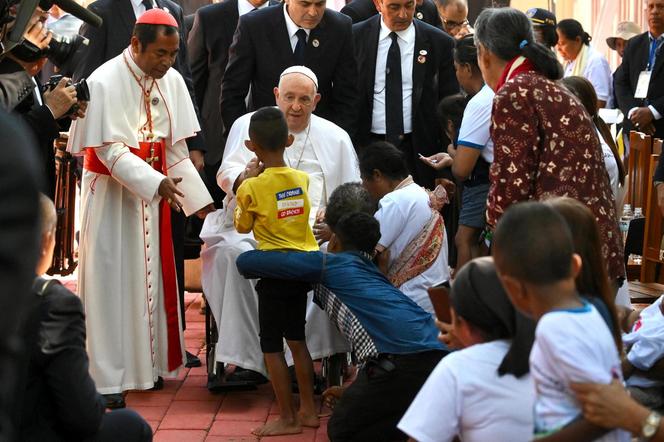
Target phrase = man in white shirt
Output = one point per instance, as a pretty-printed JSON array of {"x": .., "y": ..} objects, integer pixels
[
  {"x": 325, "y": 152},
  {"x": 405, "y": 68}
]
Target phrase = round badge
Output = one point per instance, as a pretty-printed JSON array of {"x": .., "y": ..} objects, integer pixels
[
  {"x": 155, "y": 101},
  {"x": 419, "y": 15},
  {"x": 423, "y": 52},
  {"x": 421, "y": 59},
  {"x": 315, "y": 43}
]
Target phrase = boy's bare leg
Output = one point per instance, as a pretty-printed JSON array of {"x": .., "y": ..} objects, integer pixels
[
  {"x": 304, "y": 372},
  {"x": 281, "y": 384}
]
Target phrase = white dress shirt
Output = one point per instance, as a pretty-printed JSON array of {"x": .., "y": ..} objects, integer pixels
[
  {"x": 139, "y": 7},
  {"x": 292, "y": 29},
  {"x": 244, "y": 7},
  {"x": 406, "y": 41}
]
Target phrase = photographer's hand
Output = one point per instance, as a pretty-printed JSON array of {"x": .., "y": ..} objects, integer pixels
[
  {"x": 38, "y": 35},
  {"x": 60, "y": 99},
  {"x": 80, "y": 112}
]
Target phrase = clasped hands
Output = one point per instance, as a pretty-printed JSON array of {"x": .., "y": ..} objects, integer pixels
[{"x": 643, "y": 119}]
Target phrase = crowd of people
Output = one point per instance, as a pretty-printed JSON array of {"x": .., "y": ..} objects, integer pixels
[{"x": 340, "y": 165}]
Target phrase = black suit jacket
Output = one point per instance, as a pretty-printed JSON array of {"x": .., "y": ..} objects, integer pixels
[
  {"x": 114, "y": 36},
  {"x": 261, "y": 51},
  {"x": 432, "y": 80},
  {"x": 60, "y": 399},
  {"x": 627, "y": 76},
  {"x": 360, "y": 10},
  {"x": 208, "y": 44}
]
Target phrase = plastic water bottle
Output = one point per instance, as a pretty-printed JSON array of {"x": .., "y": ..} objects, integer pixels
[
  {"x": 625, "y": 219},
  {"x": 636, "y": 259}
]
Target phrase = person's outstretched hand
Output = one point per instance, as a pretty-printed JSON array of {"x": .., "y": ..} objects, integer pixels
[{"x": 438, "y": 161}]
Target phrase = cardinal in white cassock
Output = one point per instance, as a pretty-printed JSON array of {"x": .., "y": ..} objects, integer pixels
[{"x": 136, "y": 169}]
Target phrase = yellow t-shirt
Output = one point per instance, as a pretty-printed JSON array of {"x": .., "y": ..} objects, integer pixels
[{"x": 276, "y": 207}]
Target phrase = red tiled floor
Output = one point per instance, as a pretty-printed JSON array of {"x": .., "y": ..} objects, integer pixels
[
  {"x": 179, "y": 436},
  {"x": 190, "y": 415},
  {"x": 185, "y": 411}
]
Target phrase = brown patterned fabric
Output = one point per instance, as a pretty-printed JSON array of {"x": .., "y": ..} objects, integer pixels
[{"x": 545, "y": 146}]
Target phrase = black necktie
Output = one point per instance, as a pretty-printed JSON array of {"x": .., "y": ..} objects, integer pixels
[
  {"x": 393, "y": 94},
  {"x": 299, "y": 47},
  {"x": 147, "y": 4}
]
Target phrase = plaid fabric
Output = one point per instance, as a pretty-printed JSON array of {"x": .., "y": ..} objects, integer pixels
[{"x": 346, "y": 322}]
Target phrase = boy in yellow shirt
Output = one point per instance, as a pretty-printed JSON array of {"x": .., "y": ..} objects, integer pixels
[{"x": 276, "y": 207}]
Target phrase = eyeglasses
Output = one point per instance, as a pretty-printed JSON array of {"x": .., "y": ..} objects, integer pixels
[{"x": 450, "y": 24}]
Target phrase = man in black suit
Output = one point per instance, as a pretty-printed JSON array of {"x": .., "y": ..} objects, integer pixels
[
  {"x": 110, "y": 40},
  {"x": 301, "y": 32},
  {"x": 643, "y": 57},
  {"x": 406, "y": 67},
  {"x": 360, "y": 10},
  {"x": 209, "y": 40}
]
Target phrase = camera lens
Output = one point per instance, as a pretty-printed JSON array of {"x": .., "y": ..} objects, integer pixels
[{"x": 61, "y": 49}]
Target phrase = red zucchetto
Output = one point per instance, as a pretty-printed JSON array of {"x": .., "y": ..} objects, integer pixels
[{"x": 157, "y": 16}]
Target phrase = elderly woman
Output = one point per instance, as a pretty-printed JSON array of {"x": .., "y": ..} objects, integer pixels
[
  {"x": 544, "y": 141},
  {"x": 412, "y": 250},
  {"x": 582, "y": 60},
  {"x": 484, "y": 391}
]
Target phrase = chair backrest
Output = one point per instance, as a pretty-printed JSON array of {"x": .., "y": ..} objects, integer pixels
[
  {"x": 657, "y": 146},
  {"x": 653, "y": 253},
  {"x": 638, "y": 170}
]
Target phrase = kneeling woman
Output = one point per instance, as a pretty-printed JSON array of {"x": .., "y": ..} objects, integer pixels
[
  {"x": 482, "y": 392},
  {"x": 412, "y": 250}
]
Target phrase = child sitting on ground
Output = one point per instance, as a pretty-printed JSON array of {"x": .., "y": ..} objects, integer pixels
[
  {"x": 275, "y": 206},
  {"x": 644, "y": 345},
  {"x": 535, "y": 259}
]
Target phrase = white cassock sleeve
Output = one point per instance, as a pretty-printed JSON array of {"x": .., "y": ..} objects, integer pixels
[
  {"x": 130, "y": 171},
  {"x": 196, "y": 195},
  {"x": 236, "y": 155}
]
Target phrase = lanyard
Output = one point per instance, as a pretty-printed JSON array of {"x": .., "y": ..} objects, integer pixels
[{"x": 654, "y": 45}]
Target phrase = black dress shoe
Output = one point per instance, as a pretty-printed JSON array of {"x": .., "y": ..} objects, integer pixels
[
  {"x": 247, "y": 376},
  {"x": 158, "y": 385},
  {"x": 114, "y": 401},
  {"x": 192, "y": 361}
]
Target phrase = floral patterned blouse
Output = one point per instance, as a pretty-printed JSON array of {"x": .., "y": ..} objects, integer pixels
[{"x": 545, "y": 145}]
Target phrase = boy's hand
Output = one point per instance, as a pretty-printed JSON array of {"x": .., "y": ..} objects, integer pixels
[{"x": 251, "y": 170}]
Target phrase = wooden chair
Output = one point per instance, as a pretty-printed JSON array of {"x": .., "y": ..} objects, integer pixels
[
  {"x": 653, "y": 252},
  {"x": 640, "y": 149}
]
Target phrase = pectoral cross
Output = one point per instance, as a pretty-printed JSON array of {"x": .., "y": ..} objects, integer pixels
[{"x": 152, "y": 158}]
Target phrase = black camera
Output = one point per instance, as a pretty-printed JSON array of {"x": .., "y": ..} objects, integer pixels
[
  {"x": 60, "y": 50},
  {"x": 82, "y": 90}
]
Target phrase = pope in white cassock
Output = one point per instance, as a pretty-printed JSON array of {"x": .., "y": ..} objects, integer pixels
[
  {"x": 325, "y": 152},
  {"x": 136, "y": 169}
]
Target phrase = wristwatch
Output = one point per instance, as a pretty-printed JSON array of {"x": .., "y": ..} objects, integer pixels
[{"x": 650, "y": 426}]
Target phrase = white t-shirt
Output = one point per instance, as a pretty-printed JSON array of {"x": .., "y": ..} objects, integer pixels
[
  {"x": 465, "y": 396},
  {"x": 598, "y": 72},
  {"x": 572, "y": 345},
  {"x": 647, "y": 343},
  {"x": 610, "y": 164},
  {"x": 476, "y": 123},
  {"x": 403, "y": 214}
]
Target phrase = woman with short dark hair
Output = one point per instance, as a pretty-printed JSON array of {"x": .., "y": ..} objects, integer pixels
[
  {"x": 544, "y": 141},
  {"x": 584, "y": 61}
]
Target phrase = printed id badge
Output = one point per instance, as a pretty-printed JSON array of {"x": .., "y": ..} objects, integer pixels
[{"x": 643, "y": 84}]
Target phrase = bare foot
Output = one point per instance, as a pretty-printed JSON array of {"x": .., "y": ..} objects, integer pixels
[
  {"x": 331, "y": 396},
  {"x": 277, "y": 427},
  {"x": 308, "y": 420}
]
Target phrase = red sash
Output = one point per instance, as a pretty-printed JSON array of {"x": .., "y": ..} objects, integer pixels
[{"x": 169, "y": 279}]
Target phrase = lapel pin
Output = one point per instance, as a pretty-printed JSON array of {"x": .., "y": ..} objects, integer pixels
[
  {"x": 155, "y": 101},
  {"x": 419, "y": 15},
  {"x": 315, "y": 43},
  {"x": 423, "y": 52},
  {"x": 421, "y": 59}
]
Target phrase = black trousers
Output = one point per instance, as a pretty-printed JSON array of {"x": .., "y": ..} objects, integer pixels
[
  {"x": 123, "y": 425},
  {"x": 370, "y": 409}
]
